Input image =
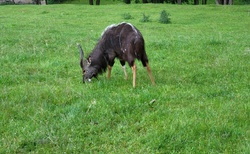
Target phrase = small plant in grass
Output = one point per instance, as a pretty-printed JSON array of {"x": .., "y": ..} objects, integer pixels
[
  {"x": 126, "y": 16},
  {"x": 164, "y": 18},
  {"x": 145, "y": 18}
]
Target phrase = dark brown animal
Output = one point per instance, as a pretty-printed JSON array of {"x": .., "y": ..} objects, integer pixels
[{"x": 122, "y": 41}]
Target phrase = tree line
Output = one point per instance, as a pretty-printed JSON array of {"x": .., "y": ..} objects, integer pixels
[{"x": 196, "y": 2}]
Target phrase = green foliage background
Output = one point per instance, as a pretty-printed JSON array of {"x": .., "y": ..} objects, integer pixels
[
  {"x": 200, "y": 63},
  {"x": 105, "y": 2}
]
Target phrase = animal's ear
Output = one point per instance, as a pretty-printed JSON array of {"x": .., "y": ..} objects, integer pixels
[
  {"x": 81, "y": 56},
  {"x": 89, "y": 60}
]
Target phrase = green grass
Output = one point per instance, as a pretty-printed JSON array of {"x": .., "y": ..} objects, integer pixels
[{"x": 200, "y": 63}]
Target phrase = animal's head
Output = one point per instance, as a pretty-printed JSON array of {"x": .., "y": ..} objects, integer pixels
[{"x": 88, "y": 70}]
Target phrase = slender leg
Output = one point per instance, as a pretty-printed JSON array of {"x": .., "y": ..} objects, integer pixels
[
  {"x": 134, "y": 74},
  {"x": 149, "y": 73},
  {"x": 109, "y": 73},
  {"x": 125, "y": 72}
]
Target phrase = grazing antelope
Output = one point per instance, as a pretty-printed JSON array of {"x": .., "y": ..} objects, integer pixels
[{"x": 123, "y": 41}]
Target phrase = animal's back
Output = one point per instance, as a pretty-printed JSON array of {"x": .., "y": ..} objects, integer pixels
[{"x": 126, "y": 41}]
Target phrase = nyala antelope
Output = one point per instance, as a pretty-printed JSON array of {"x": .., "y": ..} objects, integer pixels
[{"x": 123, "y": 41}]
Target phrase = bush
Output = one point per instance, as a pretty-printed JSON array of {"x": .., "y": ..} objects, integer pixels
[
  {"x": 127, "y": 16},
  {"x": 55, "y": 1},
  {"x": 145, "y": 18},
  {"x": 127, "y": 1},
  {"x": 164, "y": 18}
]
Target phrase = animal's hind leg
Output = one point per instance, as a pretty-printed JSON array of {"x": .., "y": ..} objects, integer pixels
[
  {"x": 145, "y": 64},
  {"x": 149, "y": 73},
  {"x": 109, "y": 73},
  {"x": 124, "y": 69},
  {"x": 134, "y": 74}
]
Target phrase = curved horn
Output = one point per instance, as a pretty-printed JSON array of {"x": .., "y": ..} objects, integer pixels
[{"x": 81, "y": 55}]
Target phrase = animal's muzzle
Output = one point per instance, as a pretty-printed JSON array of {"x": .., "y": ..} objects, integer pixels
[{"x": 89, "y": 80}]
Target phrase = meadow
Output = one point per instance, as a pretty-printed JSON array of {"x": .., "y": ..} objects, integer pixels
[{"x": 200, "y": 64}]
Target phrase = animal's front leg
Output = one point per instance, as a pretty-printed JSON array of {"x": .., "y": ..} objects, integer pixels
[
  {"x": 125, "y": 72},
  {"x": 134, "y": 74},
  {"x": 109, "y": 73},
  {"x": 124, "y": 69}
]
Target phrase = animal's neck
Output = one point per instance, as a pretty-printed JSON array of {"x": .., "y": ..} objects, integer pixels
[{"x": 99, "y": 60}]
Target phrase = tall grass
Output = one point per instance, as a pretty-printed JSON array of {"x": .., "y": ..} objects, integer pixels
[{"x": 200, "y": 63}]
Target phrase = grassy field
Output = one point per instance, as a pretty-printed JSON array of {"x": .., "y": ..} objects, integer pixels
[{"x": 200, "y": 63}]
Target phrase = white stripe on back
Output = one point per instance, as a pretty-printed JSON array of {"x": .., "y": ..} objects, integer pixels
[{"x": 114, "y": 25}]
